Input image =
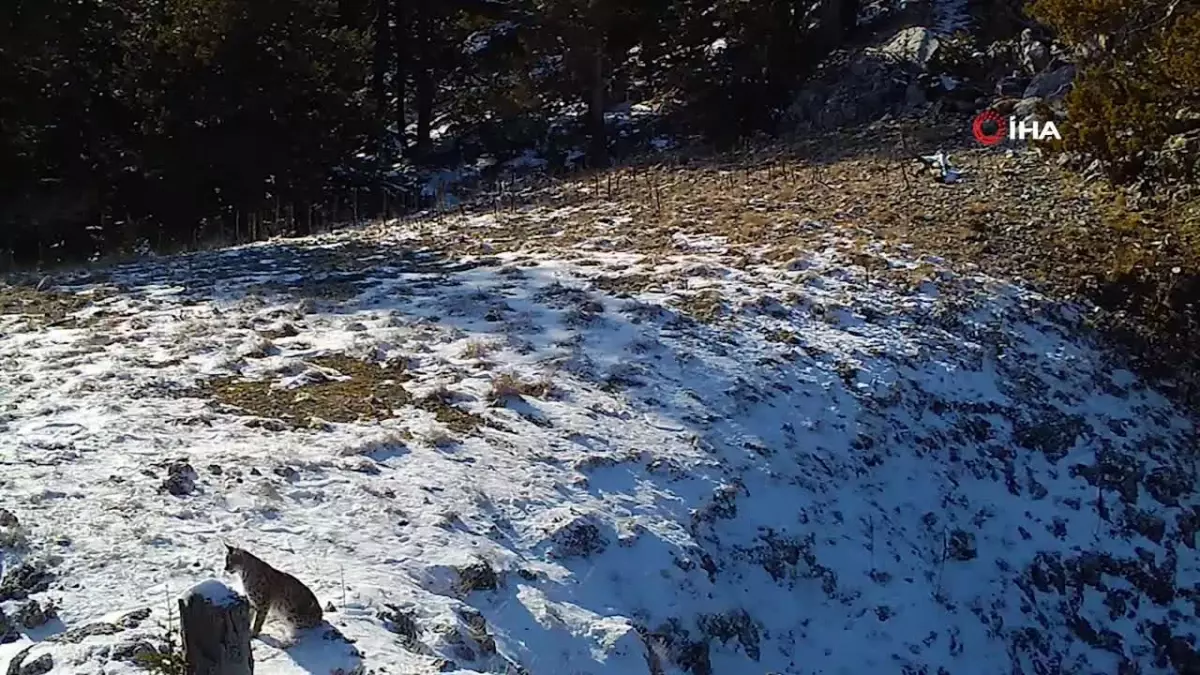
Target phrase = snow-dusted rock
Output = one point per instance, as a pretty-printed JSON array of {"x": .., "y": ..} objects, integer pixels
[{"x": 916, "y": 45}]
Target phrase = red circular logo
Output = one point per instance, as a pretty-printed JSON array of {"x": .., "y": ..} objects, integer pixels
[{"x": 983, "y": 118}]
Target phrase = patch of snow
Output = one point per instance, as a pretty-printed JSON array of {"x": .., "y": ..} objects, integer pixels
[
  {"x": 761, "y": 468},
  {"x": 527, "y": 160},
  {"x": 574, "y": 156},
  {"x": 215, "y": 592}
]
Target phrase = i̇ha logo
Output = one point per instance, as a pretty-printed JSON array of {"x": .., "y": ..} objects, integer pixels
[{"x": 990, "y": 128}]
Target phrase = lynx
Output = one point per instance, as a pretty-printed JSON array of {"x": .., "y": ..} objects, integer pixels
[{"x": 272, "y": 591}]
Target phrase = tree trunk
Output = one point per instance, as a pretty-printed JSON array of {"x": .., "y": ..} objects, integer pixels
[
  {"x": 215, "y": 625},
  {"x": 830, "y": 30},
  {"x": 424, "y": 77},
  {"x": 424, "y": 111},
  {"x": 598, "y": 154},
  {"x": 400, "y": 74},
  {"x": 849, "y": 18},
  {"x": 383, "y": 55}
]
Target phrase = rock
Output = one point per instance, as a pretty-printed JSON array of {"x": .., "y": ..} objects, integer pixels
[
  {"x": 1051, "y": 84},
  {"x": 1189, "y": 116},
  {"x": 961, "y": 546},
  {"x": 1011, "y": 86},
  {"x": 861, "y": 87},
  {"x": 361, "y": 465},
  {"x": 135, "y": 618},
  {"x": 286, "y": 472},
  {"x": 8, "y": 631},
  {"x": 20, "y": 581},
  {"x": 181, "y": 479},
  {"x": 914, "y": 95},
  {"x": 577, "y": 537},
  {"x": 1005, "y": 106},
  {"x": 1090, "y": 50},
  {"x": 281, "y": 330},
  {"x": 14, "y": 664},
  {"x": 1178, "y": 649},
  {"x": 132, "y": 651},
  {"x": 1168, "y": 484},
  {"x": 268, "y": 424},
  {"x": 403, "y": 622},
  {"x": 76, "y": 635},
  {"x": 461, "y": 574},
  {"x": 1146, "y": 524},
  {"x": 734, "y": 625},
  {"x": 1181, "y": 152},
  {"x": 1035, "y": 54},
  {"x": 12, "y": 535},
  {"x": 7, "y": 519},
  {"x": 478, "y": 576},
  {"x": 477, "y": 630},
  {"x": 1027, "y": 108},
  {"x": 39, "y": 666},
  {"x": 630, "y": 533},
  {"x": 318, "y": 424},
  {"x": 1001, "y": 57},
  {"x": 33, "y": 615},
  {"x": 462, "y": 651},
  {"x": 916, "y": 45}
]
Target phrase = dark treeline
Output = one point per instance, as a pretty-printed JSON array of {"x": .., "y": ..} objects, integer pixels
[{"x": 172, "y": 122}]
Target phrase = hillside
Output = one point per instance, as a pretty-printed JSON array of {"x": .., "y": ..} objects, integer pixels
[{"x": 634, "y": 432}]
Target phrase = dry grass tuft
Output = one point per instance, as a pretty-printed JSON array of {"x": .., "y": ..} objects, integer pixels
[
  {"x": 508, "y": 386},
  {"x": 623, "y": 285},
  {"x": 441, "y": 402},
  {"x": 439, "y": 437},
  {"x": 705, "y": 306},
  {"x": 479, "y": 349},
  {"x": 785, "y": 337},
  {"x": 392, "y": 438},
  {"x": 327, "y": 290},
  {"x": 44, "y": 307},
  {"x": 372, "y": 392}
]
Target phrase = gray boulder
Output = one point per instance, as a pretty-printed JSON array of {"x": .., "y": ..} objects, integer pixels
[
  {"x": 1012, "y": 85},
  {"x": 916, "y": 45},
  {"x": 1035, "y": 54},
  {"x": 8, "y": 629},
  {"x": 1051, "y": 84},
  {"x": 1027, "y": 107}
]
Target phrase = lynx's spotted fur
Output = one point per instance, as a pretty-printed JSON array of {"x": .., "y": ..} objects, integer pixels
[{"x": 272, "y": 591}]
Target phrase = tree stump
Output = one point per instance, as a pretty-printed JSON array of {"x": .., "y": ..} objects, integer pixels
[{"x": 215, "y": 625}]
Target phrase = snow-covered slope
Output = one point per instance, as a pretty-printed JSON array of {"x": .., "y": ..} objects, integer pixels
[{"x": 824, "y": 468}]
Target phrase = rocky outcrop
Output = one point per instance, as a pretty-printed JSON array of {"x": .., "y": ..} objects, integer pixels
[
  {"x": 902, "y": 74},
  {"x": 919, "y": 67}
]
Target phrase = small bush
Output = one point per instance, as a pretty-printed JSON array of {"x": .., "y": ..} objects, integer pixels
[
  {"x": 508, "y": 386},
  {"x": 168, "y": 660},
  {"x": 1139, "y": 83}
]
